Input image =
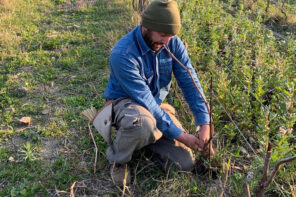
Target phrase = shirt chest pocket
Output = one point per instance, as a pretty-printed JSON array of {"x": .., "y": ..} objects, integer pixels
[{"x": 165, "y": 66}]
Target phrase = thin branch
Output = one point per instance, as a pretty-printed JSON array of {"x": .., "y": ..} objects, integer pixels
[
  {"x": 188, "y": 71},
  {"x": 247, "y": 189},
  {"x": 133, "y": 4},
  {"x": 282, "y": 10},
  {"x": 200, "y": 93},
  {"x": 276, "y": 168},
  {"x": 260, "y": 190},
  {"x": 72, "y": 193},
  {"x": 267, "y": 6},
  {"x": 211, "y": 120},
  {"x": 96, "y": 148},
  {"x": 267, "y": 162}
]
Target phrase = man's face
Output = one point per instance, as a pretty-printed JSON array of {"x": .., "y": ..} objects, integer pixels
[{"x": 155, "y": 39}]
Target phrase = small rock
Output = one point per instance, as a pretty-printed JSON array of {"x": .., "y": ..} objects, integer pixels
[
  {"x": 19, "y": 92},
  {"x": 252, "y": 140},
  {"x": 243, "y": 150},
  {"x": 45, "y": 111},
  {"x": 83, "y": 165},
  {"x": 10, "y": 109}
]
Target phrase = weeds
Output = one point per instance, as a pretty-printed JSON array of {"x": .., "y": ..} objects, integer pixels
[
  {"x": 54, "y": 59},
  {"x": 54, "y": 63},
  {"x": 27, "y": 152}
]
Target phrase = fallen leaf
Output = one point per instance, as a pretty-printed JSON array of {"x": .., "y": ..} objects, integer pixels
[
  {"x": 25, "y": 120},
  {"x": 283, "y": 131},
  {"x": 11, "y": 159}
]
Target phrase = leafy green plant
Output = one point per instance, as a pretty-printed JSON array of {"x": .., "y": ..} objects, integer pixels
[{"x": 28, "y": 152}]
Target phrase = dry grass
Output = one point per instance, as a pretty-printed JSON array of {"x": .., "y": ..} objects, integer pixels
[{"x": 6, "y": 3}]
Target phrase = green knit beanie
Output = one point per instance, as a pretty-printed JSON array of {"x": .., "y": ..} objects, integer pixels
[{"x": 162, "y": 16}]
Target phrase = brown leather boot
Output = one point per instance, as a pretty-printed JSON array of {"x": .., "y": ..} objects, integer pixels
[{"x": 120, "y": 174}]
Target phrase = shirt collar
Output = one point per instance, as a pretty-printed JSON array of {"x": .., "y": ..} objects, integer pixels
[{"x": 141, "y": 42}]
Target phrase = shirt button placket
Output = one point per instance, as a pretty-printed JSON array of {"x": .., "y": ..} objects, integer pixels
[{"x": 157, "y": 71}]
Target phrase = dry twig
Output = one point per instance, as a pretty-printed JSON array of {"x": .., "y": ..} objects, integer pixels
[
  {"x": 96, "y": 148},
  {"x": 124, "y": 181},
  {"x": 72, "y": 194},
  {"x": 211, "y": 123},
  {"x": 141, "y": 5},
  {"x": 247, "y": 189},
  {"x": 200, "y": 93},
  {"x": 189, "y": 72},
  {"x": 226, "y": 177}
]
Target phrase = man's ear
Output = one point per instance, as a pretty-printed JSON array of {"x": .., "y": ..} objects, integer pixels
[{"x": 144, "y": 30}]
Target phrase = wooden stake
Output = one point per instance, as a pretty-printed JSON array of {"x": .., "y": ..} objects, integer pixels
[{"x": 211, "y": 122}]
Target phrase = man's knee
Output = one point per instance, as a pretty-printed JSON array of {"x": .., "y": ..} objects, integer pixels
[
  {"x": 140, "y": 124},
  {"x": 180, "y": 164},
  {"x": 168, "y": 108},
  {"x": 187, "y": 164},
  {"x": 173, "y": 155},
  {"x": 149, "y": 129}
]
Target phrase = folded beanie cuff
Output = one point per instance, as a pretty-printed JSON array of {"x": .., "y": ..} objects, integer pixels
[{"x": 161, "y": 27}]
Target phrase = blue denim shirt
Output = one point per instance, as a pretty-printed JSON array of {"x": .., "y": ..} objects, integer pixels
[{"x": 144, "y": 75}]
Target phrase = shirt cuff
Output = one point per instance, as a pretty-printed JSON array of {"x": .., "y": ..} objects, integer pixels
[
  {"x": 173, "y": 131},
  {"x": 202, "y": 119}
]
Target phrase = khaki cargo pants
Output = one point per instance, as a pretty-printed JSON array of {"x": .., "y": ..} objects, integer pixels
[{"x": 136, "y": 129}]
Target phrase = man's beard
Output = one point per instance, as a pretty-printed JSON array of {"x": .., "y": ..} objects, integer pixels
[{"x": 155, "y": 46}]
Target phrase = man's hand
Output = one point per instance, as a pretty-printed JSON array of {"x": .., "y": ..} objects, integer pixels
[
  {"x": 190, "y": 140},
  {"x": 198, "y": 143},
  {"x": 204, "y": 136}
]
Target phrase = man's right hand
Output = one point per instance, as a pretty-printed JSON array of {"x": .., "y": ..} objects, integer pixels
[{"x": 190, "y": 140}]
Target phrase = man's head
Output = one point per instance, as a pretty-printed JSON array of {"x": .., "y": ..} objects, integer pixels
[
  {"x": 155, "y": 39},
  {"x": 160, "y": 21}
]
